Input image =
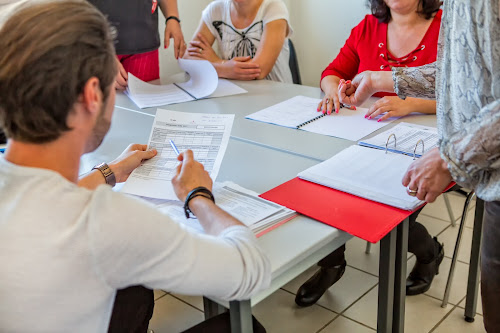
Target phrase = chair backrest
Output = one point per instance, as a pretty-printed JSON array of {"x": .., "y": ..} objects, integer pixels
[{"x": 294, "y": 64}]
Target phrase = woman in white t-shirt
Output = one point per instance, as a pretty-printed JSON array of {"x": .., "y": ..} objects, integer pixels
[{"x": 252, "y": 38}]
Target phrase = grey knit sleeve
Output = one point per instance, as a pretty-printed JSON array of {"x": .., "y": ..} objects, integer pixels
[{"x": 417, "y": 82}]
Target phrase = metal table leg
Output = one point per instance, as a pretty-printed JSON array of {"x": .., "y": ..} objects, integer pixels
[
  {"x": 473, "y": 281},
  {"x": 241, "y": 316},
  {"x": 212, "y": 308},
  {"x": 386, "y": 282},
  {"x": 400, "y": 277}
]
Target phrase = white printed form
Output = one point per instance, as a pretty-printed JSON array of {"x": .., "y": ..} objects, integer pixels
[{"x": 207, "y": 135}]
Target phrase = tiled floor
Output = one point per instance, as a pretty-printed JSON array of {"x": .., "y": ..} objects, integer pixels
[{"x": 351, "y": 304}]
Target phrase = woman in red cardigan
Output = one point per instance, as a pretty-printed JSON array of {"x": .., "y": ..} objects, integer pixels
[{"x": 399, "y": 33}]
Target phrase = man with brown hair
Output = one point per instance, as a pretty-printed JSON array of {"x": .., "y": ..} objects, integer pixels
[{"x": 67, "y": 245}]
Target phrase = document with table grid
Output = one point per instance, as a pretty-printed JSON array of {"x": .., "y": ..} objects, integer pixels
[{"x": 207, "y": 135}]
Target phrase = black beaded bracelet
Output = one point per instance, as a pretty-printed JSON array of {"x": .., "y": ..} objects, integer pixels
[
  {"x": 197, "y": 192},
  {"x": 173, "y": 18}
]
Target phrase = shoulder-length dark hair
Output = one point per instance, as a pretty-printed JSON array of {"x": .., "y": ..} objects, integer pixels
[{"x": 381, "y": 11}]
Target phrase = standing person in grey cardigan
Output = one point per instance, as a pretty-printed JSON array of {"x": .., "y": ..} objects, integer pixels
[{"x": 465, "y": 79}]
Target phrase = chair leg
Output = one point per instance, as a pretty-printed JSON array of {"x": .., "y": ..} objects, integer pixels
[
  {"x": 446, "y": 296},
  {"x": 450, "y": 211},
  {"x": 368, "y": 247}
]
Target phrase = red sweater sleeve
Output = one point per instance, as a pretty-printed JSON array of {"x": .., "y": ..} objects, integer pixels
[{"x": 346, "y": 64}]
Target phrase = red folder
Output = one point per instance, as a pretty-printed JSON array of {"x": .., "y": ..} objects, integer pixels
[{"x": 357, "y": 216}]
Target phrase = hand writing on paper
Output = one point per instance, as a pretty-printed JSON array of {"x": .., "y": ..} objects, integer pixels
[
  {"x": 428, "y": 175},
  {"x": 129, "y": 160},
  {"x": 189, "y": 175}
]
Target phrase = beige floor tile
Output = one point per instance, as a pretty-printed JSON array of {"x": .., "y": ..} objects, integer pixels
[
  {"x": 171, "y": 315},
  {"x": 342, "y": 324},
  {"x": 459, "y": 284},
  {"x": 356, "y": 256},
  {"x": 438, "y": 209},
  {"x": 342, "y": 294},
  {"x": 159, "y": 293},
  {"x": 449, "y": 238},
  {"x": 455, "y": 323},
  {"x": 417, "y": 308},
  {"x": 196, "y": 301},
  {"x": 433, "y": 225},
  {"x": 479, "y": 305},
  {"x": 278, "y": 313}
]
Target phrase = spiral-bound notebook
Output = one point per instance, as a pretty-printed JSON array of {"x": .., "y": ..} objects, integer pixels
[{"x": 300, "y": 112}]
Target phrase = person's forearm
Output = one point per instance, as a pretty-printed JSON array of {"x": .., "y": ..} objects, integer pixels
[
  {"x": 382, "y": 81},
  {"x": 212, "y": 218},
  {"x": 92, "y": 180},
  {"x": 169, "y": 8},
  {"x": 330, "y": 84},
  {"x": 427, "y": 106}
]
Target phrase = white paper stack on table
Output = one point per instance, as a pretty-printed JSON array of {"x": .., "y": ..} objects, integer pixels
[
  {"x": 368, "y": 173},
  {"x": 260, "y": 215},
  {"x": 301, "y": 112},
  {"x": 404, "y": 140},
  {"x": 203, "y": 83},
  {"x": 207, "y": 135}
]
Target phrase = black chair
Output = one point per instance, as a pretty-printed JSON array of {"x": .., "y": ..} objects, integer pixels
[
  {"x": 3, "y": 139},
  {"x": 294, "y": 64}
]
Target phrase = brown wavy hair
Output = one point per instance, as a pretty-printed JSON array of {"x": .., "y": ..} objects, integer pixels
[
  {"x": 381, "y": 11},
  {"x": 48, "y": 53}
]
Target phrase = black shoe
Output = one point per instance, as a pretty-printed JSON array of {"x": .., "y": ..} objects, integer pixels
[
  {"x": 312, "y": 290},
  {"x": 420, "y": 278}
]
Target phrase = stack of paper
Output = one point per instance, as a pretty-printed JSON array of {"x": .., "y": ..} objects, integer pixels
[
  {"x": 203, "y": 83},
  {"x": 258, "y": 214},
  {"x": 403, "y": 139},
  {"x": 367, "y": 173}
]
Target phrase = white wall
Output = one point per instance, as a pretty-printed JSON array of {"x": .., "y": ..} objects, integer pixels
[{"x": 320, "y": 30}]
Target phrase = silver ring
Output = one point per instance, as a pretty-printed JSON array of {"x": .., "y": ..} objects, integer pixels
[
  {"x": 327, "y": 100},
  {"x": 411, "y": 192}
]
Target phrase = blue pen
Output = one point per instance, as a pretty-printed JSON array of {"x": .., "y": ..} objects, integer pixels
[{"x": 174, "y": 147}]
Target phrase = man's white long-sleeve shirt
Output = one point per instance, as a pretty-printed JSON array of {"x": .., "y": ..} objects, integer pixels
[{"x": 65, "y": 250}]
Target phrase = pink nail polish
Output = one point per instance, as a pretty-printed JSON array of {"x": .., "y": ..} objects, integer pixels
[
  {"x": 354, "y": 107},
  {"x": 366, "y": 116},
  {"x": 378, "y": 121},
  {"x": 337, "y": 110},
  {"x": 369, "y": 117},
  {"x": 329, "y": 112}
]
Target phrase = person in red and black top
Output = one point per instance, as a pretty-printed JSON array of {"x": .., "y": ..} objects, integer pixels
[
  {"x": 399, "y": 33},
  {"x": 137, "y": 42}
]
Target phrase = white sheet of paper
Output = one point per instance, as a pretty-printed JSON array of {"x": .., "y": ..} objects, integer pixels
[
  {"x": 368, "y": 173},
  {"x": 207, "y": 135},
  {"x": 347, "y": 124},
  {"x": 146, "y": 95},
  {"x": 203, "y": 78},
  {"x": 227, "y": 88},
  {"x": 407, "y": 136}
]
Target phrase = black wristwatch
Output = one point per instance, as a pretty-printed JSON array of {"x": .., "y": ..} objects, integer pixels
[{"x": 108, "y": 174}]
